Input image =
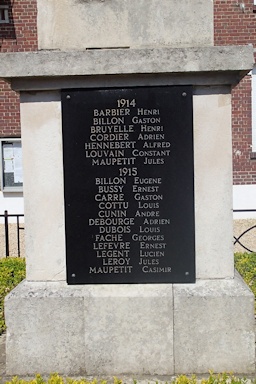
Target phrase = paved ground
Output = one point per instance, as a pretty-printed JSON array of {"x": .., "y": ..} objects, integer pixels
[
  {"x": 13, "y": 247},
  {"x": 249, "y": 238}
]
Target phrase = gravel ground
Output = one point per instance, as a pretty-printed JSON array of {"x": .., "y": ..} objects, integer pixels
[
  {"x": 249, "y": 238},
  {"x": 13, "y": 248}
]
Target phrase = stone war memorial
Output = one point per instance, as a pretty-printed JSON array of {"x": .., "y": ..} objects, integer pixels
[{"x": 126, "y": 137}]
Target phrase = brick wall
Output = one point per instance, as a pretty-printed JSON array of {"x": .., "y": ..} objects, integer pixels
[
  {"x": 19, "y": 35},
  {"x": 9, "y": 111},
  {"x": 232, "y": 26}
]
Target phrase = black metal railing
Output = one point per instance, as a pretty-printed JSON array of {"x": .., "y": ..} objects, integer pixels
[
  {"x": 19, "y": 228},
  {"x": 237, "y": 239}
]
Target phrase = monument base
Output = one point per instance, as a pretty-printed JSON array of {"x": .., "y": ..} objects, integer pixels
[{"x": 151, "y": 329}]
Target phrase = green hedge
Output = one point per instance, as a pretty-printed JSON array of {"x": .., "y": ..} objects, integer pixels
[
  {"x": 222, "y": 378},
  {"x": 12, "y": 272},
  {"x": 245, "y": 264}
]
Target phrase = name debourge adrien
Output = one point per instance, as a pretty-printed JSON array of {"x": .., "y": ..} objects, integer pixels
[{"x": 108, "y": 144}]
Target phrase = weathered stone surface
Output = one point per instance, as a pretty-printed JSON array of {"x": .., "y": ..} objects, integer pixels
[
  {"x": 130, "y": 329},
  {"x": 214, "y": 327},
  {"x": 79, "y": 24},
  {"x": 127, "y": 61},
  {"x": 89, "y": 329},
  {"x": 44, "y": 330},
  {"x": 213, "y": 183},
  {"x": 43, "y": 187}
]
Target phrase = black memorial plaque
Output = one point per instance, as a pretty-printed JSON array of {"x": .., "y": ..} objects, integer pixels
[{"x": 129, "y": 185}]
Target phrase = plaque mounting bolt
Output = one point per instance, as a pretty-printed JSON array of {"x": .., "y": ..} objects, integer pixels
[
  {"x": 186, "y": 273},
  {"x": 73, "y": 275},
  {"x": 184, "y": 94},
  {"x": 68, "y": 97}
]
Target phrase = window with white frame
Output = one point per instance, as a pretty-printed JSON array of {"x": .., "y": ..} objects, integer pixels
[
  {"x": 11, "y": 165},
  {"x": 4, "y": 17},
  {"x": 254, "y": 109}
]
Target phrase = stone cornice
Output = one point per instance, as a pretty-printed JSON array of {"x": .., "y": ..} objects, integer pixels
[{"x": 229, "y": 60}]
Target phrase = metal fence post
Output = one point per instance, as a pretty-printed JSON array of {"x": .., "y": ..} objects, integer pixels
[{"x": 6, "y": 233}]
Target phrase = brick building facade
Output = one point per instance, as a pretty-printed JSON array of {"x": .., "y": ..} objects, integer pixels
[
  {"x": 17, "y": 35},
  {"x": 234, "y": 23}
]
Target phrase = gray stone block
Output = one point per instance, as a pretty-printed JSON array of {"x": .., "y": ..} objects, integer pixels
[
  {"x": 126, "y": 23},
  {"x": 130, "y": 335},
  {"x": 151, "y": 329},
  {"x": 127, "y": 61},
  {"x": 78, "y": 330},
  {"x": 214, "y": 327},
  {"x": 44, "y": 331}
]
